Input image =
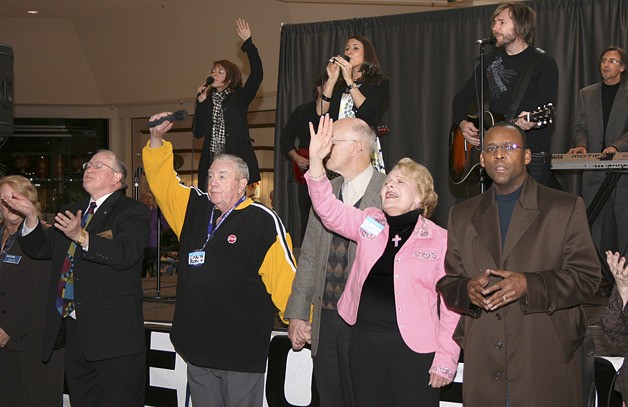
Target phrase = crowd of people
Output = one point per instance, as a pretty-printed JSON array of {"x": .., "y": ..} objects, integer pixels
[{"x": 384, "y": 297}]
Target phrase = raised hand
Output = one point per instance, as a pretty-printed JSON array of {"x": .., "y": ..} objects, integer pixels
[
  {"x": 320, "y": 145},
  {"x": 18, "y": 203},
  {"x": 243, "y": 29},
  {"x": 619, "y": 268},
  {"x": 157, "y": 132}
]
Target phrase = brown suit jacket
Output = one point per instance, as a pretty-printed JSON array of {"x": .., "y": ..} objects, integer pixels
[{"x": 530, "y": 344}]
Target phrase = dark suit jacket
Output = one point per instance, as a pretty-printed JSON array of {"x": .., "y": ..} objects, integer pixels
[
  {"x": 530, "y": 344},
  {"x": 309, "y": 282},
  {"x": 107, "y": 282},
  {"x": 23, "y": 289},
  {"x": 589, "y": 126}
]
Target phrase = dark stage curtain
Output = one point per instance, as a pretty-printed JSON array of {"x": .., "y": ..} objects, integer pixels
[{"x": 428, "y": 56}]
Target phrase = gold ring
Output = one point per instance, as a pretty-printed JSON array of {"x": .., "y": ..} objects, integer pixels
[{"x": 504, "y": 298}]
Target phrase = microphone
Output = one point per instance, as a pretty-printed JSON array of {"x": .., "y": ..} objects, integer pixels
[
  {"x": 209, "y": 81},
  {"x": 176, "y": 116},
  {"x": 345, "y": 57},
  {"x": 486, "y": 41}
]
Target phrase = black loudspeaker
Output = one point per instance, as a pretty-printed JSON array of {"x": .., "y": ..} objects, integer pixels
[{"x": 6, "y": 93}]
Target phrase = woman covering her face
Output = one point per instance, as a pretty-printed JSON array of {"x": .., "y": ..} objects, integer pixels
[{"x": 25, "y": 283}]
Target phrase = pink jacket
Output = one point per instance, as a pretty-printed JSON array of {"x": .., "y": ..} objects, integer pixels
[{"x": 418, "y": 266}]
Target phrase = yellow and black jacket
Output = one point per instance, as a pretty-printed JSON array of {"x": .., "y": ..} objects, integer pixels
[{"x": 226, "y": 306}]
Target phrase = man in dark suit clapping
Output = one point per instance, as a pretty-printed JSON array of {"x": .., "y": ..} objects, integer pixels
[{"x": 95, "y": 293}]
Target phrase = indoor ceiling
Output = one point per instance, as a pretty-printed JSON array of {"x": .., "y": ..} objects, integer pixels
[
  {"x": 74, "y": 9},
  {"x": 82, "y": 8}
]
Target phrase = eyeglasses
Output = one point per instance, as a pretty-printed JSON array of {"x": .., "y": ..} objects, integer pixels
[
  {"x": 611, "y": 61},
  {"x": 506, "y": 148},
  {"x": 97, "y": 165}
]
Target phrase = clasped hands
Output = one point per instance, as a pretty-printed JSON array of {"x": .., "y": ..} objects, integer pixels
[
  {"x": 300, "y": 333},
  {"x": 512, "y": 287}
]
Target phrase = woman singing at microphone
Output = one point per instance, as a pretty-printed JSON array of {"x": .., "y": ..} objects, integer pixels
[
  {"x": 220, "y": 113},
  {"x": 362, "y": 92}
]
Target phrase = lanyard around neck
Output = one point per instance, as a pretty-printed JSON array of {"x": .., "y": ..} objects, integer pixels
[{"x": 211, "y": 230}]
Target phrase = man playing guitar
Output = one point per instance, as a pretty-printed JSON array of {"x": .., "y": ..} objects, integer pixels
[{"x": 513, "y": 28}]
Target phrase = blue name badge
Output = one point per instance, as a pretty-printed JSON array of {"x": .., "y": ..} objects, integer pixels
[
  {"x": 12, "y": 259},
  {"x": 371, "y": 226},
  {"x": 196, "y": 258}
]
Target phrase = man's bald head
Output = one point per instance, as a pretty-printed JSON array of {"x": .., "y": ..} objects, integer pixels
[{"x": 354, "y": 145}]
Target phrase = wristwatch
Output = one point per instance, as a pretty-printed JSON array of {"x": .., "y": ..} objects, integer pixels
[
  {"x": 353, "y": 85},
  {"x": 81, "y": 238}
]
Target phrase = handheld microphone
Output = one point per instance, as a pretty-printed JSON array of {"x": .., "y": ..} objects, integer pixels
[
  {"x": 176, "y": 116},
  {"x": 486, "y": 41},
  {"x": 345, "y": 57},
  {"x": 209, "y": 81}
]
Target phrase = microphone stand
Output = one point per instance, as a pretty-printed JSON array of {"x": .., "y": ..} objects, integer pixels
[
  {"x": 136, "y": 183},
  {"x": 481, "y": 117},
  {"x": 136, "y": 195}
]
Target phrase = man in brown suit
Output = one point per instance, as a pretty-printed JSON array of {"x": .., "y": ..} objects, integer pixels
[{"x": 519, "y": 263}]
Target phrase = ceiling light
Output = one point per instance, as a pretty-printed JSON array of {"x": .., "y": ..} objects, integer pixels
[{"x": 33, "y": 12}]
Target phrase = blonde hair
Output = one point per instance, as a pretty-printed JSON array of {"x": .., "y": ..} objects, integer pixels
[
  {"x": 24, "y": 187},
  {"x": 423, "y": 181}
]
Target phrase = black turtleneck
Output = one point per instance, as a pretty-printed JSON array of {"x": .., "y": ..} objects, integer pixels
[
  {"x": 377, "y": 302},
  {"x": 608, "y": 97},
  {"x": 506, "y": 205}
]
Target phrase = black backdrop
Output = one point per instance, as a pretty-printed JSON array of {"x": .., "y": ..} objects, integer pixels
[
  {"x": 428, "y": 56},
  {"x": 6, "y": 93}
]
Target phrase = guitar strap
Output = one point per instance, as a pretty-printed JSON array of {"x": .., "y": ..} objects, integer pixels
[{"x": 522, "y": 85}]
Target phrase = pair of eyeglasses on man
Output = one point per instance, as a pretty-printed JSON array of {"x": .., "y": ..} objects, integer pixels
[
  {"x": 506, "y": 148},
  {"x": 97, "y": 165},
  {"x": 611, "y": 61}
]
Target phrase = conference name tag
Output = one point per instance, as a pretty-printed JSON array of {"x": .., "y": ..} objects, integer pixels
[
  {"x": 371, "y": 226},
  {"x": 196, "y": 258},
  {"x": 12, "y": 259}
]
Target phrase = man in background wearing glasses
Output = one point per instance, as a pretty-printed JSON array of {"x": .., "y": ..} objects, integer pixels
[
  {"x": 95, "y": 295},
  {"x": 519, "y": 263},
  {"x": 325, "y": 261},
  {"x": 602, "y": 126}
]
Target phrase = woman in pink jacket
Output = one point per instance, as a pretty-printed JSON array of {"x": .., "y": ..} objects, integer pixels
[{"x": 401, "y": 350}]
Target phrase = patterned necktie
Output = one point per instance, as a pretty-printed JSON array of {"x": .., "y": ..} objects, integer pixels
[{"x": 65, "y": 289}]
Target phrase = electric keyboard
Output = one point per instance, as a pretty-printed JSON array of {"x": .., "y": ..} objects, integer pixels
[{"x": 590, "y": 161}]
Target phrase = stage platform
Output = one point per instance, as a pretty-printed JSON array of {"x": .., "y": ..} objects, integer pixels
[
  {"x": 289, "y": 376},
  {"x": 160, "y": 312}
]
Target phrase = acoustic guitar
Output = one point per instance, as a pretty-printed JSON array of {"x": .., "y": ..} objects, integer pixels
[{"x": 464, "y": 158}]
